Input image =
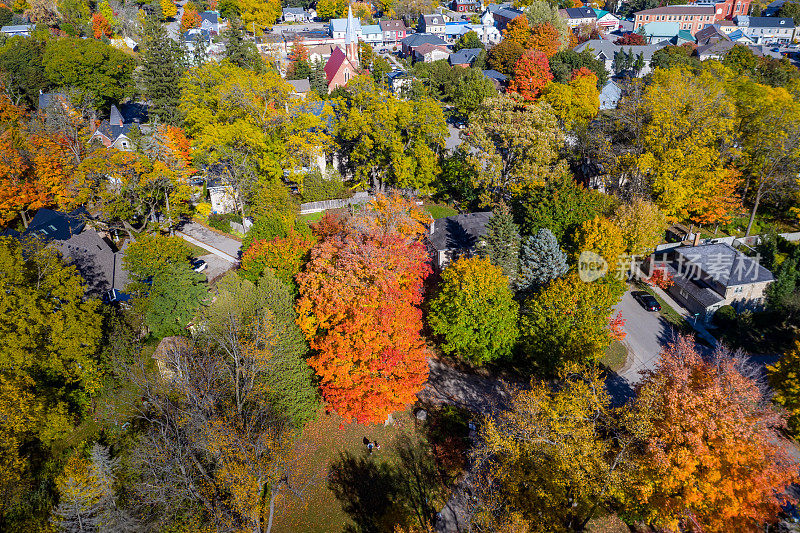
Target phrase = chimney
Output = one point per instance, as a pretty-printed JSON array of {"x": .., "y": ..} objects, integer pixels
[
  {"x": 696, "y": 241},
  {"x": 433, "y": 224}
]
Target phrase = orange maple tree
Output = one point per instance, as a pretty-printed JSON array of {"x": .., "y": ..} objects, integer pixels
[
  {"x": 359, "y": 308},
  {"x": 544, "y": 38},
  {"x": 615, "y": 325},
  {"x": 531, "y": 74},
  {"x": 284, "y": 255},
  {"x": 190, "y": 18},
  {"x": 713, "y": 459},
  {"x": 100, "y": 26},
  {"x": 518, "y": 31}
]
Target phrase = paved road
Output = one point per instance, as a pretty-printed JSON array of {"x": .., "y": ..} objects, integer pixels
[
  {"x": 217, "y": 266},
  {"x": 219, "y": 245},
  {"x": 646, "y": 333}
]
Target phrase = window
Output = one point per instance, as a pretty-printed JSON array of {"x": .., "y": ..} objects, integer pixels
[{"x": 51, "y": 227}]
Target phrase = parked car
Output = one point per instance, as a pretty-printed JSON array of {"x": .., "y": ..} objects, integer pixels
[
  {"x": 646, "y": 300},
  {"x": 198, "y": 265}
]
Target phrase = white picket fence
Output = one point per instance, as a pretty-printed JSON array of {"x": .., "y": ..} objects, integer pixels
[{"x": 324, "y": 205}]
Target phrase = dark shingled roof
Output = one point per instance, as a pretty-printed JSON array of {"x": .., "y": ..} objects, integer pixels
[
  {"x": 704, "y": 295},
  {"x": 724, "y": 264},
  {"x": 465, "y": 56},
  {"x": 52, "y": 225},
  {"x": 580, "y": 12},
  {"x": 459, "y": 231},
  {"x": 418, "y": 39}
]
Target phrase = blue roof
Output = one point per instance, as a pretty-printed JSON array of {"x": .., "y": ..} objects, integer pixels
[
  {"x": 464, "y": 56},
  {"x": 494, "y": 75},
  {"x": 340, "y": 25},
  {"x": 371, "y": 29}
]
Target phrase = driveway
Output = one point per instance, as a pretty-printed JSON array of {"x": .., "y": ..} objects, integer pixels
[
  {"x": 646, "y": 333},
  {"x": 219, "y": 245},
  {"x": 217, "y": 266}
]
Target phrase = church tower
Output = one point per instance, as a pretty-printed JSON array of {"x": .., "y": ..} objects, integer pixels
[{"x": 351, "y": 39}]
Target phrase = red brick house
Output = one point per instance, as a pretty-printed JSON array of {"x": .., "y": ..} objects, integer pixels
[{"x": 691, "y": 18}]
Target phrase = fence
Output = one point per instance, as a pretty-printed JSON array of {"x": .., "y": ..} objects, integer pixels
[{"x": 324, "y": 205}]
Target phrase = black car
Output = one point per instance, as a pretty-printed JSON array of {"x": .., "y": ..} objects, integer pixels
[{"x": 647, "y": 300}]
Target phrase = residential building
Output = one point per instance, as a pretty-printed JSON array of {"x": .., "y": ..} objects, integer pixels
[
  {"x": 114, "y": 132},
  {"x": 692, "y": 18},
  {"x": 339, "y": 28},
  {"x": 222, "y": 196},
  {"x": 394, "y": 31},
  {"x": 465, "y": 6},
  {"x": 418, "y": 39},
  {"x": 47, "y": 100},
  {"x": 498, "y": 79},
  {"x": 499, "y": 15},
  {"x": 209, "y": 21},
  {"x": 719, "y": 49},
  {"x": 372, "y": 34},
  {"x": 454, "y": 30},
  {"x": 456, "y": 236},
  {"x": 296, "y": 14},
  {"x": 708, "y": 276},
  {"x": 578, "y": 16},
  {"x": 94, "y": 257},
  {"x": 767, "y": 30},
  {"x": 320, "y": 52},
  {"x": 399, "y": 82},
  {"x": 610, "y": 95},
  {"x": 343, "y": 64},
  {"x": 606, "y": 51},
  {"x": 465, "y": 57},
  {"x": 23, "y": 30},
  {"x": 433, "y": 24},
  {"x": 656, "y": 32},
  {"x": 772, "y": 9},
  {"x": 428, "y": 53},
  {"x": 195, "y": 37},
  {"x": 606, "y": 21},
  {"x": 300, "y": 88}
]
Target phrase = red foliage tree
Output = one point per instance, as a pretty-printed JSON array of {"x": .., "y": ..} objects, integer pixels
[
  {"x": 713, "y": 459},
  {"x": 661, "y": 279},
  {"x": 100, "y": 26},
  {"x": 190, "y": 17},
  {"x": 615, "y": 327},
  {"x": 531, "y": 74},
  {"x": 631, "y": 39},
  {"x": 582, "y": 72},
  {"x": 284, "y": 255},
  {"x": 359, "y": 308}
]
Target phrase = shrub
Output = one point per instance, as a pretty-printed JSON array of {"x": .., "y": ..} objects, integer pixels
[
  {"x": 725, "y": 316},
  {"x": 69, "y": 29},
  {"x": 219, "y": 222},
  {"x": 317, "y": 188},
  {"x": 203, "y": 209}
]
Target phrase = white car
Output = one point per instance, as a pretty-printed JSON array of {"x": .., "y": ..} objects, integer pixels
[{"x": 198, "y": 265}]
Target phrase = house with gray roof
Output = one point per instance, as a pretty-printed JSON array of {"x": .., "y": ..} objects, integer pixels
[
  {"x": 96, "y": 260},
  {"x": 578, "y": 16},
  {"x": 606, "y": 51},
  {"x": 498, "y": 79},
  {"x": 296, "y": 14},
  {"x": 434, "y": 24},
  {"x": 22, "y": 30},
  {"x": 708, "y": 276},
  {"x": 209, "y": 21},
  {"x": 500, "y": 15},
  {"x": 456, "y": 236},
  {"x": 465, "y": 57},
  {"x": 416, "y": 40}
]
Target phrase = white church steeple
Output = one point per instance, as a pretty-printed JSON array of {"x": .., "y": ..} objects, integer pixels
[{"x": 351, "y": 38}]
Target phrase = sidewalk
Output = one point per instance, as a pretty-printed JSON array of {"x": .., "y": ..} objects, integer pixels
[{"x": 702, "y": 332}]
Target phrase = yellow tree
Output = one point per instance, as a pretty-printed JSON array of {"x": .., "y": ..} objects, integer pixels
[
  {"x": 575, "y": 103},
  {"x": 688, "y": 142},
  {"x": 642, "y": 224},
  {"x": 602, "y": 237},
  {"x": 259, "y": 14},
  {"x": 168, "y": 9},
  {"x": 552, "y": 458}
]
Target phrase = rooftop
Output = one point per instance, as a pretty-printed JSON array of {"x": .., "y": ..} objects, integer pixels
[
  {"x": 465, "y": 56},
  {"x": 678, "y": 10},
  {"x": 580, "y": 12},
  {"x": 459, "y": 231},
  {"x": 724, "y": 264}
]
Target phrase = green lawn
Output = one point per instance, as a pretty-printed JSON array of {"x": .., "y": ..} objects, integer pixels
[
  {"x": 615, "y": 357},
  {"x": 440, "y": 211},
  {"x": 311, "y": 218},
  {"x": 353, "y": 490}
]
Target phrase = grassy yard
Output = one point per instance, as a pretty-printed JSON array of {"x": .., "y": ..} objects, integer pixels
[
  {"x": 349, "y": 489},
  {"x": 440, "y": 211},
  {"x": 311, "y": 218},
  {"x": 615, "y": 357}
]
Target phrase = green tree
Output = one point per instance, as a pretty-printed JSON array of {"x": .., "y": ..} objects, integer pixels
[
  {"x": 239, "y": 51},
  {"x": 671, "y": 56},
  {"x": 785, "y": 379},
  {"x": 541, "y": 260},
  {"x": 162, "y": 65},
  {"x": 263, "y": 313},
  {"x": 50, "y": 367},
  {"x": 790, "y": 10},
  {"x": 500, "y": 245},
  {"x": 388, "y": 141},
  {"x": 99, "y": 71},
  {"x": 469, "y": 92},
  {"x": 568, "y": 321},
  {"x": 468, "y": 40},
  {"x": 174, "y": 297},
  {"x": 565, "y": 62},
  {"x": 474, "y": 311},
  {"x": 21, "y": 58},
  {"x": 512, "y": 145}
]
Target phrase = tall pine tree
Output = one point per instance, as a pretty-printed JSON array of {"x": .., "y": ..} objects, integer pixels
[
  {"x": 240, "y": 52},
  {"x": 501, "y": 243},
  {"x": 540, "y": 260},
  {"x": 162, "y": 66}
]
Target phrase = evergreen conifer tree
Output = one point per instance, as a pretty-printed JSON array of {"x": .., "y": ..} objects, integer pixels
[
  {"x": 162, "y": 63},
  {"x": 540, "y": 260},
  {"x": 501, "y": 243},
  {"x": 240, "y": 52}
]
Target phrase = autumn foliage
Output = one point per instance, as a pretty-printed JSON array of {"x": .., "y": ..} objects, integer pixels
[
  {"x": 631, "y": 39},
  {"x": 359, "y": 308},
  {"x": 661, "y": 279},
  {"x": 544, "y": 38},
  {"x": 531, "y": 74},
  {"x": 100, "y": 26},
  {"x": 190, "y": 18},
  {"x": 713, "y": 460},
  {"x": 283, "y": 255}
]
